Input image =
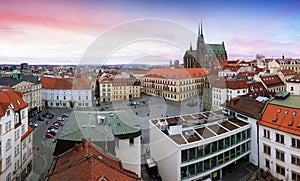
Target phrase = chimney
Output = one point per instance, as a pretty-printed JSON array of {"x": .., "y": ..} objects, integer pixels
[
  {"x": 76, "y": 147},
  {"x": 83, "y": 143}
]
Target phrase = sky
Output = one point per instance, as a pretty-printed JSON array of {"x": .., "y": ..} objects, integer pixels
[{"x": 125, "y": 31}]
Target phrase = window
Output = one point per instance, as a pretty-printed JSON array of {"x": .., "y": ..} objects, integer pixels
[
  {"x": 57, "y": 97},
  {"x": 24, "y": 144},
  {"x": 8, "y": 161},
  {"x": 295, "y": 143},
  {"x": 131, "y": 141},
  {"x": 267, "y": 149},
  {"x": 24, "y": 156},
  {"x": 295, "y": 175},
  {"x": 279, "y": 138},
  {"x": 280, "y": 155},
  {"x": 8, "y": 178},
  {"x": 295, "y": 160},
  {"x": 23, "y": 114},
  {"x": 8, "y": 112},
  {"x": 267, "y": 163},
  {"x": 64, "y": 97},
  {"x": 79, "y": 98},
  {"x": 17, "y": 149},
  {"x": 23, "y": 129},
  {"x": 86, "y": 97},
  {"x": 17, "y": 134},
  {"x": 292, "y": 88},
  {"x": 266, "y": 133},
  {"x": 8, "y": 144},
  {"x": 280, "y": 170}
]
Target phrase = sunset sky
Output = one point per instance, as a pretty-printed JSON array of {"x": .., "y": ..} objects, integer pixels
[{"x": 60, "y": 32}]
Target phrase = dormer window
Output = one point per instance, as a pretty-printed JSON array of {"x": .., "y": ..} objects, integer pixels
[
  {"x": 278, "y": 111},
  {"x": 18, "y": 102},
  {"x": 286, "y": 112},
  {"x": 294, "y": 114}
]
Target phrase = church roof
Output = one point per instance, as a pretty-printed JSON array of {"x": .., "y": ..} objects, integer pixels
[{"x": 214, "y": 48}]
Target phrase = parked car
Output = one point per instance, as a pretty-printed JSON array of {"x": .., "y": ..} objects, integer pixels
[
  {"x": 60, "y": 123},
  {"x": 60, "y": 118},
  {"x": 33, "y": 125},
  {"x": 50, "y": 115},
  {"x": 52, "y": 131},
  {"x": 49, "y": 135},
  {"x": 41, "y": 119},
  {"x": 54, "y": 126},
  {"x": 65, "y": 115}
]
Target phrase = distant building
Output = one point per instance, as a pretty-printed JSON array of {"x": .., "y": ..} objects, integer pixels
[
  {"x": 293, "y": 85},
  {"x": 66, "y": 92},
  {"x": 114, "y": 132},
  {"x": 24, "y": 66},
  {"x": 271, "y": 82},
  {"x": 31, "y": 88},
  {"x": 175, "y": 84},
  {"x": 206, "y": 55},
  {"x": 198, "y": 146},
  {"x": 115, "y": 89},
  {"x": 87, "y": 162},
  {"x": 15, "y": 136},
  {"x": 279, "y": 138}
]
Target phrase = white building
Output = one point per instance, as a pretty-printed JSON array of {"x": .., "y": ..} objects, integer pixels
[
  {"x": 197, "y": 146},
  {"x": 66, "y": 92},
  {"x": 248, "y": 110},
  {"x": 223, "y": 90},
  {"x": 15, "y": 136},
  {"x": 293, "y": 85},
  {"x": 279, "y": 137}
]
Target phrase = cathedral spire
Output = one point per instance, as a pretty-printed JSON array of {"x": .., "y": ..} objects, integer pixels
[
  {"x": 191, "y": 48},
  {"x": 201, "y": 29}
]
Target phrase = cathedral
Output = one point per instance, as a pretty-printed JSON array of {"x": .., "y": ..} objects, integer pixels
[{"x": 206, "y": 55}]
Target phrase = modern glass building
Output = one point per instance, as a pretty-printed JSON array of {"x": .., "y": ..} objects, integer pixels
[{"x": 197, "y": 146}]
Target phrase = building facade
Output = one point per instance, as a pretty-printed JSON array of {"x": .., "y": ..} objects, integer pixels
[
  {"x": 248, "y": 110},
  {"x": 193, "y": 149},
  {"x": 31, "y": 88},
  {"x": 116, "y": 89},
  {"x": 16, "y": 136},
  {"x": 175, "y": 84},
  {"x": 293, "y": 85},
  {"x": 66, "y": 92},
  {"x": 279, "y": 140},
  {"x": 206, "y": 55}
]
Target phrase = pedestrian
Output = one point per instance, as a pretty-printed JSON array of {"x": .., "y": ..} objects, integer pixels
[{"x": 46, "y": 122}]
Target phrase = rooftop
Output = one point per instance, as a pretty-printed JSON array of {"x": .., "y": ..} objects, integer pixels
[
  {"x": 195, "y": 127},
  {"x": 98, "y": 126},
  {"x": 176, "y": 73},
  {"x": 87, "y": 162}
]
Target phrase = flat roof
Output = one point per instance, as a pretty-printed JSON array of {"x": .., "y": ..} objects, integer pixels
[{"x": 197, "y": 126}]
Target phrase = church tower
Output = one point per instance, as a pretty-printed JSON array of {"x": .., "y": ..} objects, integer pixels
[{"x": 200, "y": 47}]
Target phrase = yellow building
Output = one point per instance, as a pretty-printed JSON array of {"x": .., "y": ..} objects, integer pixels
[
  {"x": 114, "y": 89},
  {"x": 175, "y": 84}
]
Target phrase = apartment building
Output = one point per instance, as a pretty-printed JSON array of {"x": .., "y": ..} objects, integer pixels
[
  {"x": 293, "y": 85},
  {"x": 115, "y": 89},
  {"x": 197, "y": 146},
  {"x": 175, "y": 84},
  {"x": 31, "y": 88},
  {"x": 279, "y": 137},
  {"x": 15, "y": 136},
  {"x": 226, "y": 89},
  {"x": 66, "y": 92},
  {"x": 271, "y": 82}
]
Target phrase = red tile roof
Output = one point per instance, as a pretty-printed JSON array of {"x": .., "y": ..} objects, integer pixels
[
  {"x": 288, "y": 72},
  {"x": 9, "y": 96},
  {"x": 281, "y": 121},
  {"x": 88, "y": 164},
  {"x": 295, "y": 79},
  {"x": 230, "y": 84},
  {"x": 246, "y": 106},
  {"x": 272, "y": 80},
  {"x": 231, "y": 68},
  {"x": 176, "y": 73},
  {"x": 64, "y": 83}
]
